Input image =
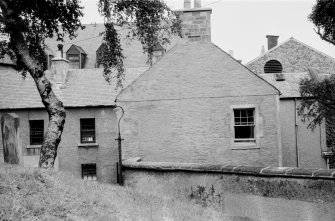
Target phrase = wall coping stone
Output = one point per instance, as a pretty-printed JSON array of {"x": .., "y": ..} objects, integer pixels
[{"x": 292, "y": 172}]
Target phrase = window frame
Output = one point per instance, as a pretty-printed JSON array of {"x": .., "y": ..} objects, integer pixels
[
  {"x": 272, "y": 60},
  {"x": 40, "y": 133},
  {"x": 93, "y": 131},
  {"x": 245, "y": 143},
  {"x": 90, "y": 173}
]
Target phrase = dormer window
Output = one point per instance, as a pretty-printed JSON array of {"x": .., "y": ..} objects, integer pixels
[
  {"x": 99, "y": 55},
  {"x": 273, "y": 66},
  {"x": 76, "y": 55}
]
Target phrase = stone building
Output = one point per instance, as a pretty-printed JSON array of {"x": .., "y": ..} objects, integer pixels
[
  {"x": 198, "y": 104},
  {"x": 194, "y": 104},
  {"x": 291, "y": 56},
  {"x": 88, "y": 148},
  {"x": 284, "y": 66}
]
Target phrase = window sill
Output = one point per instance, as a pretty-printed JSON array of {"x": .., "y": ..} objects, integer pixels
[
  {"x": 88, "y": 145},
  {"x": 34, "y": 146},
  {"x": 245, "y": 146}
]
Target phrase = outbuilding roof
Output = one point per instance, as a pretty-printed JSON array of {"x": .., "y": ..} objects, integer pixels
[{"x": 289, "y": 87}]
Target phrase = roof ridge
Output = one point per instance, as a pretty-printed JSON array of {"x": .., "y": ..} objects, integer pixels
[
  {"x": 284, "y": 42},
  {"x": 314, "y": 49},
  {"x": 246, "y": 67},
  {"x": 277, "y": 46}
]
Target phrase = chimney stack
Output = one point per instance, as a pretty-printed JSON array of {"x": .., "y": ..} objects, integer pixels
[
  {"x": 272, "y": 41},
  {"x": 187, "y": 4},
  {"x": 196, "y": 22},
  {"x": 59, "y": 66},
  {"x": 197, "y": 3}
]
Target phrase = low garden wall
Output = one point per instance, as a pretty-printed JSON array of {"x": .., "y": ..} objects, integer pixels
[{"x": 208, "y": 183}]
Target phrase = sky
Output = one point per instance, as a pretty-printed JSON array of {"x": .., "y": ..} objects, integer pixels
[{"x": 241, "y": 26}]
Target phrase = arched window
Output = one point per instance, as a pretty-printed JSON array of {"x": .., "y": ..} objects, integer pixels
[{"x": 273, "y": 66}]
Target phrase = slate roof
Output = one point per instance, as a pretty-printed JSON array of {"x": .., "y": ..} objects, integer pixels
[
  {"x": 188, "y": 68},
  {"x": 289, "y": 88},
  {"x": 83, "y": 88},
  {"x": 90, "y": 39}
]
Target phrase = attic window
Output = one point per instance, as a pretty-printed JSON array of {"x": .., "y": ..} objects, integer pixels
[
  {"x": 76, "y": 55},
  {"x": 273, "y": 66},
  {"x": 99, "y": 52}
]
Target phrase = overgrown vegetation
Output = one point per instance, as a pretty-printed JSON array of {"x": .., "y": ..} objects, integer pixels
[
  {"x": 35, "y": 194},
  {"x": 318, "y": 94}
]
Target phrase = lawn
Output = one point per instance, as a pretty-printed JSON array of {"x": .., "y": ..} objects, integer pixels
[{"x": 34, "y": 194}]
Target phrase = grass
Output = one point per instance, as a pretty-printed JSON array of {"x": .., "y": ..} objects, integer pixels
[{"x": 34, "y": 194}]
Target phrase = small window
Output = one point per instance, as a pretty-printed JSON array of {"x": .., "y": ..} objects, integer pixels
[
  {"x": 50, "y": 57},
  {"x": 87, "y": 130},
  {"x": 36, "y": 132},
  {"x": 89, "y": 171},
  {"x": 273, "y": 66},
  {"x": 74, "y": 61},
  {"x": 77, "y": 56},
  {"x": 244, "y": 125}
]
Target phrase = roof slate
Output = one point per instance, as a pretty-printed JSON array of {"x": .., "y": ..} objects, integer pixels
[
  {"x": 289, "y": 88},
  {"x": 83, "y": 87},
  {"x": 90, "y": 39},
  {"x": 194, "y": 70}
]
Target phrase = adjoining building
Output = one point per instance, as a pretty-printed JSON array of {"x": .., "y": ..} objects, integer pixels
[
  {"x": 195, "y": 103},
  {"x": 198, "y": 104},
  {"x": 284, "y": 66}
]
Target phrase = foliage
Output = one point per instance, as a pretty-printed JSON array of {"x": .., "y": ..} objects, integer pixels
[
  {"x": 207, "y": 196},
  {"x": 35, "y": 194},
  {"x": 318, "y": 104},
  {"x": 323, "y": 17},
  {"x": 36, "y": 20},
  {"x": 151, "y": 22},
  {"x": 29, "y": 23},
  {"x": 318, "y": 99}
]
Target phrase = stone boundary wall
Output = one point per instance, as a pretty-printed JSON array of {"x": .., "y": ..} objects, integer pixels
[
  {"x": 289, "y": 172},
  {"x": 209, "y": 184}
]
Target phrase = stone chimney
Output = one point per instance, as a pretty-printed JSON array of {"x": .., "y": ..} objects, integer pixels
[
  {"x": 272, "y": 41},
  {"x": 187, "y": 4},
  {"x": 196, "y": 22},
  {"x": 59, "y": 66},
  {"x": 197, "y": 3}
]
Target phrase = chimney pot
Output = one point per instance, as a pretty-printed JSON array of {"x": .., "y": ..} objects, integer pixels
[
  {"x": 231, "y": 53},
  {"x": 60, "y": 51},
  {"x": 187, "y": 4},
  {"x": 272, "y": 41},
  {"x": 197, "y": 3}
]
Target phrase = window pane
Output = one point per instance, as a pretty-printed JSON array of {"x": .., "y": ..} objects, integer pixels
[
  {"x": 89, "y": 171},
  {"x": 244, "y": 123},
  {"x": 36, "y": 132},
  {"x": 87, "y": 130},
  {"x": 244, "y": 116},
  {"x": 244, "y": 132}
]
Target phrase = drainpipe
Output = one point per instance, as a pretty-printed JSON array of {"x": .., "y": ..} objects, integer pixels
[
  {"x": 119, "y": 139},
  {"x": 296, "y": 131}
]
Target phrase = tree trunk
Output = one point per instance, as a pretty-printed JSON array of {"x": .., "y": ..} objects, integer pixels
[{"x": 52, "y": 104}]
